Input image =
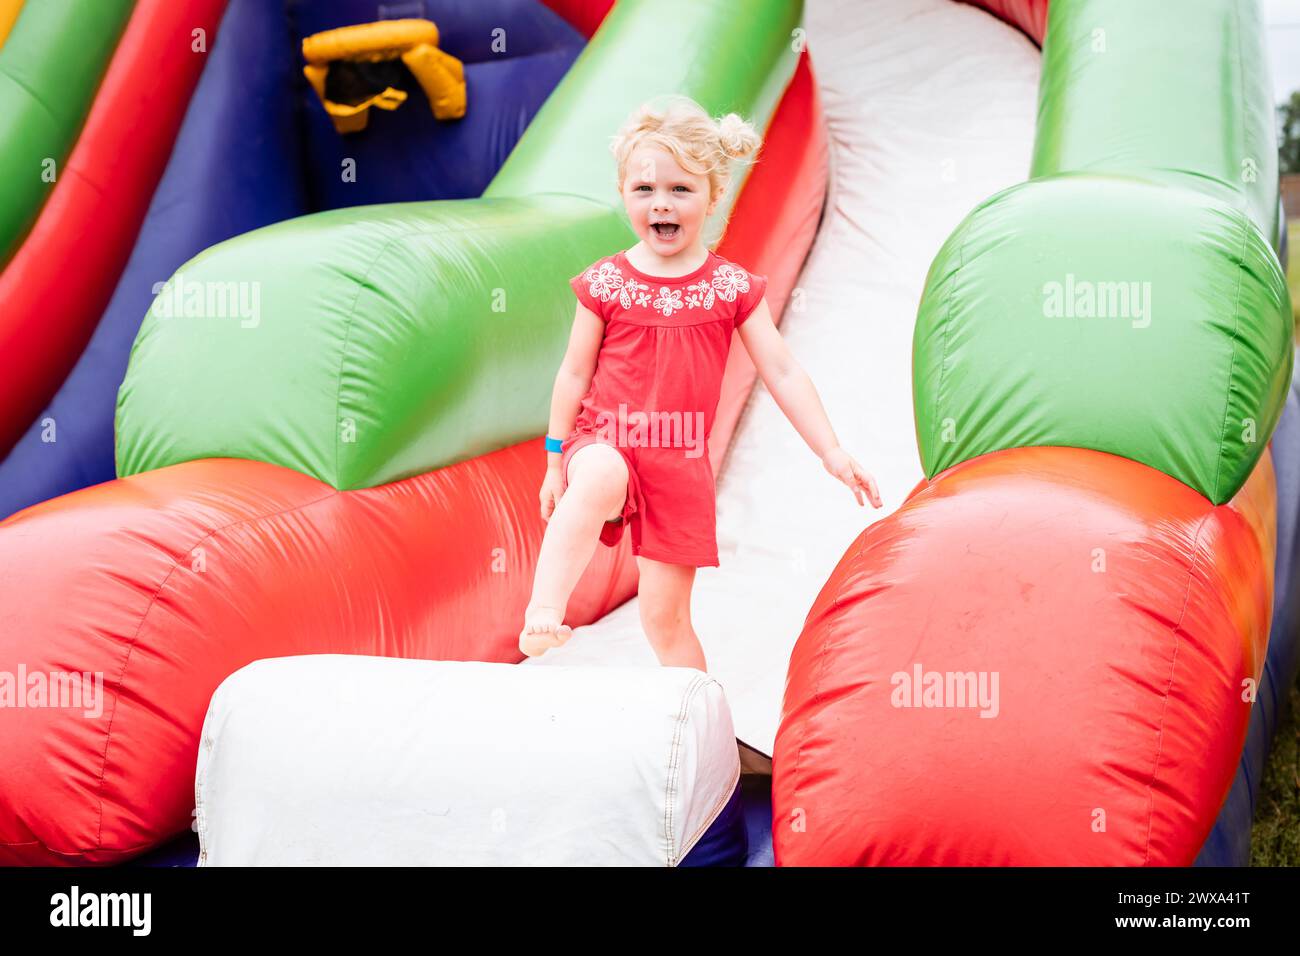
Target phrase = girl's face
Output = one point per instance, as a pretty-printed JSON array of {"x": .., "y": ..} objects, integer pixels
[{"x": 666, "y": 204}]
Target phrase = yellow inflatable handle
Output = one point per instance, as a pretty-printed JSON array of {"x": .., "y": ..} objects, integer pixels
[
  {"x": 9, "y": 10},
  {"x": 440, "y": 75}
]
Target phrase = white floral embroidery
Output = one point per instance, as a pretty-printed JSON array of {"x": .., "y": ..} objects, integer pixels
[
  {"x": 704, "y": 292},
  {"x": 668, "y": 301},
  {"x": 607, "y": 282},
  {"x": 633, "y": 290},
  {"x": 729, "y": 281},
  {"x": 604, "y": 282}
]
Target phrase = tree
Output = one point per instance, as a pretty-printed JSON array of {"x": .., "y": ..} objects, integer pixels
[{"x": 1288, "y": 146}]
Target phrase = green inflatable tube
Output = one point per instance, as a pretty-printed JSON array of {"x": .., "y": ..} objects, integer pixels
[
  {"x": 1174, "y": 91},
  {"x": 361, "y": 345},
  {"x": 50, "y": 67},
  {"x": 423, "y": 334},
  {"x": 1126, "y": 299}
]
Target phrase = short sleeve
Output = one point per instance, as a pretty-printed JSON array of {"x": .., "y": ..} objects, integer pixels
[
  {"x": 582, "y": 289},
  {"x": 748, "y": 301}
]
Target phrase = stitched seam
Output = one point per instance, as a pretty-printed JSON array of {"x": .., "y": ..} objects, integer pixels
[
  {"x": 674, "y": 761},
  {"x": 108, "y": 734},
  {"x": 832, "y": 616},
  {"x": 1173, "y": 664},
  {"x": 72, "y": 853},
  {"x": 668, "y": 325},
  {"x": 428, "y": 230},
  {"x": 713, "y": 815},
  {"x": 674, "y": 558},
  {"x": 1241, "y": 98},
  {"x": 1232, "y": 356},
  {"x": 347, "y": 341},
  {"x": 672, "y": 773},
  {"x": 947, "y": 324}
]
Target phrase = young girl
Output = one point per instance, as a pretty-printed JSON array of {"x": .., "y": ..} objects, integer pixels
[{"x": 639, "y": 385}]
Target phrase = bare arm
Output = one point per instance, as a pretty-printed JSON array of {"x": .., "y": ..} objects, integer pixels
[
  {"x": 574, "y": 377},
  {"x": 797, "y": 398}
]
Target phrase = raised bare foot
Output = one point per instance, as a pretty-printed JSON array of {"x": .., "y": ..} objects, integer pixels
[{"x": 543, "y": 630}]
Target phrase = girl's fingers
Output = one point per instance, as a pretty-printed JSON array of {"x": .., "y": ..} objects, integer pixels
[
  {"x": 867, "y": 483},
  {"x": 850, "y": 478},
  {"x": 859, "y": 481}
]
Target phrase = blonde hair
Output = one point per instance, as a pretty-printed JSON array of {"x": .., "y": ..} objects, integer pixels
[{"x": 699, "y": 143}]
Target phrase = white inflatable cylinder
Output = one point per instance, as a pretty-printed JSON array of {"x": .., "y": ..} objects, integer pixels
[{"x": 343, "y": 760}]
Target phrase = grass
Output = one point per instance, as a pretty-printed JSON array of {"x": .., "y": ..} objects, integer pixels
[
  {"x": 1293, "y": 269},
  {"x": 1275, "y": 839}
]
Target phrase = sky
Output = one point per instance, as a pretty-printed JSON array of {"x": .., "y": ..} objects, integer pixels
[{"x": 1283, "y": 19}]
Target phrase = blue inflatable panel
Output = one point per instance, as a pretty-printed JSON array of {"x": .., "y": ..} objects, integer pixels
[
  {"x": 179, "y": 851},
  {"x": 758, "y": 819},
  {"x": 235, "y": 166},
  {"x": 455, "y": 159},
  {"x": 1229, "y": 842},
  {"x": 256, "y": 148},
  {"x": 726, "y": 841}
]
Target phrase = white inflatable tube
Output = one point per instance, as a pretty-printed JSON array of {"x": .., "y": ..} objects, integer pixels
[{"x": 327, "y": 760}]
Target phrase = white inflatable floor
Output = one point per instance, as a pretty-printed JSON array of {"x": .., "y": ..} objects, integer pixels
[{"x": 930, "y": 107}]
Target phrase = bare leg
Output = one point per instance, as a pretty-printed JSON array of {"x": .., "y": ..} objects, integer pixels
[
  {"x": 665, "y": 593},
  {"x": 596, "y": 493}
]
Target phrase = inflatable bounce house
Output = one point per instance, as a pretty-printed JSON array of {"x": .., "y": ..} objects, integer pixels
[{"x": 284, "y": 304}]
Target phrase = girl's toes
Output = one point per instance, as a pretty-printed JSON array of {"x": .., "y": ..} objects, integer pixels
[
  {"x": 538, "y": 636},
  {"x": 532, "y": 644},
  {"x": 540, "y": 641}
]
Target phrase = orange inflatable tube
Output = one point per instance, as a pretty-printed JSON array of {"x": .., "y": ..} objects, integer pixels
[{"x": 1045, "y": 657}]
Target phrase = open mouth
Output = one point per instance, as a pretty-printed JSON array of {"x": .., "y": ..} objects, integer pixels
[{"x": 667, "y": 231}]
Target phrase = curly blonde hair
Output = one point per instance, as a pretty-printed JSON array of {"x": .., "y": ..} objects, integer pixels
[{"x": 699, "y": 143}]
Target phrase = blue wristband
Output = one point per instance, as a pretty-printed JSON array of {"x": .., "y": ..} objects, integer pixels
[{"x": 554, "y": 444}]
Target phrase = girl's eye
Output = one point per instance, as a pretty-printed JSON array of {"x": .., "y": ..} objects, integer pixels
[
  {"x": 686, "y": 188},
  {"x": 641, "y": 187}
]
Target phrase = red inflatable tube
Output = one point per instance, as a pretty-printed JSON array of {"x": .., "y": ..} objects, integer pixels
[
  {"x": 167, "y": 582},
  {"x": 1039, "y": 659},
  {"x": 583, "y": 15},
  {"x": 158, "y": 586},
  {"x": 1029, "y": 15},
  {"x": 60, "y": 280},
  {"x": 777, "y": 227}
]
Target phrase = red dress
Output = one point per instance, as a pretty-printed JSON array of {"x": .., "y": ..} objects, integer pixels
[{"x": 655, "y": 392}]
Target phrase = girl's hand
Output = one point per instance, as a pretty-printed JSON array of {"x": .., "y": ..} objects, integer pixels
[
  {"x": 841, "y": 464},
  {"x": 552, "y": 490}
]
